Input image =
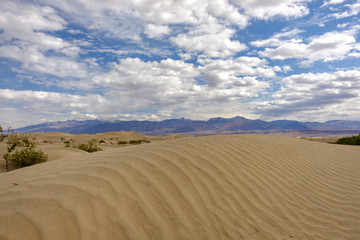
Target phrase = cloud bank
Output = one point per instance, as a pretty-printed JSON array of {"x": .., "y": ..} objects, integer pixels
[{"x": 284, "y": 59}]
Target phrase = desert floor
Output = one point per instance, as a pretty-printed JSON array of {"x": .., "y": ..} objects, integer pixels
[{"x": 212, "y": 187}]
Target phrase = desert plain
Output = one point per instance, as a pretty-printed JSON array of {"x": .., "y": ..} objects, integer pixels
[{"x": 211, "y": 187}]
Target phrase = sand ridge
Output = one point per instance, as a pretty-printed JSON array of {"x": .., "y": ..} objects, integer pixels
[
  {"x": 214, "y": 187},
  {"x": 53, "y": 143}
]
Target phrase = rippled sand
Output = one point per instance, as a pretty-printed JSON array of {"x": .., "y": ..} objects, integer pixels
[{"x": 213, "y": 187}]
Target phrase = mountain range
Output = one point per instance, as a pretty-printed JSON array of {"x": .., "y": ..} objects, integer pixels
[{"x": 196, "y": 127}]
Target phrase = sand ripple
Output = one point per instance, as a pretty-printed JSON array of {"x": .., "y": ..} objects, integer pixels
[{"x": 215, "y": 187}]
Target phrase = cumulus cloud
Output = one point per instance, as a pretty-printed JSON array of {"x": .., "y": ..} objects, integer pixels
[
  {"x": 25, "y": 39},
  {"x": 119, "y": 59},
  {"x": 150, "y": 83},
  {"x": 332, "y": 2},
  {"x": 267, "y": 9},
  {"x": 156, "y": 31},
  {"x": 305, "y": 94},
  {"x": 29, "y": 106},
  {"x": 134, "y": 85},
  {"x": 230, "y": 72},
  {"x": 209, "y": 23},
  {"x": 211, "y": 40},
  {"x": 51, "y": 101},
  {"x": 170, "y": 82},
  {"x": 328, "y": 47}
]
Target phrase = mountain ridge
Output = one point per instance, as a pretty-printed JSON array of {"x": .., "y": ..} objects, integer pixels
[{"x": 192, "y": 127}]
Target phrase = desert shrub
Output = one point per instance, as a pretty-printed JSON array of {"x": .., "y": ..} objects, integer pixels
[
  {"x": 67, "y": 143},
  {"x": 29, "y": 143},
  {"x": 24, "y": 158},
  {"x": 102, "y": 141},
  {"x": 138, "y": 141},
  {"x": 353, "y": 140},
  {"x": 135, "y": 141},
  {"x": 2, "y": 135},
  {"x": 90, "y": 147},
  {"x": 14, "y": 139},
  {"x": 21, "y": 158}
]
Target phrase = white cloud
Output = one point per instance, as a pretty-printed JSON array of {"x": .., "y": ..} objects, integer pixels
[
  {"x": 156, "y": 31},
  {"x": 354, "y": 9},
  {"x": 135, "y": 85},
  {"x": 209, "y": 24},
  {"x": 130, "y": 15},
  {"x": 25, "y": 38},
  {"x": 335, "y": 1},
  {"x": 209, "y": 35},
  {"x": 34, "y": 60},
  {"x": 212, "y": 40},
  {"x": 206, "y": 22},
  {"x": 51, "y": 101},
  {"x": 279, "y": 39},
  {"x": 267, "y": 9},
  {"x": 223, "y": 10},
  {"x": 316, "y": 97},
  {"x": 236, "y": 72},
  {"x": 343, "y": 25},
  {"x": 328, "y": 47},
  {"x": 175, "y": 83},
  {"x": 26, "y": 23},
  {"x": 332, "y": 2}
]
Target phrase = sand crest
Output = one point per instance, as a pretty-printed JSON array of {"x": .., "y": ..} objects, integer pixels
[{"x": 214, "y": 187}]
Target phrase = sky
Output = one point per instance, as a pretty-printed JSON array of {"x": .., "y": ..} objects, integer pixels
[{"x": 159, "y": 59}]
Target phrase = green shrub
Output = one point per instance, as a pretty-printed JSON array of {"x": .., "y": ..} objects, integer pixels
[
  {"x": 135, "y": 141},
  {"x": 2, "y": 135},
  {"x": 24, "y": 158},
  {"x": 20, "y": 158},
  {"x": 138, "y": 141},
  {"x": 90, "y": 147},
  {"x": 353, "y": 140},
  {"x": 67, "y": 143},
  {"x": 122, "y": 142}
]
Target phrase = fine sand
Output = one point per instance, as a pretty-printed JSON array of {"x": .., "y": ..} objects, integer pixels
[
  {"x": 213, "y": 187},
  {"x": 52, "y": 144}
]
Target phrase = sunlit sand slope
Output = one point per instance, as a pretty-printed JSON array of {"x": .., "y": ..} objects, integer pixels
[{"x": 215, "y": 187}]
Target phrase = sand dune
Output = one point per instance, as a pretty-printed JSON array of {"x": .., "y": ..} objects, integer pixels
[{"x": 214, "y": 187}]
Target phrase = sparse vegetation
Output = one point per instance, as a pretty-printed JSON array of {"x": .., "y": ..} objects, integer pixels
[
  {"x": 90, "y": 147},
  {"x": 353, "y": 140},
  {"x": 134, "y": 142},
  {"x": 24, "y": 158},
  {"x": 70, "y": 143},
  {"x": 27, "y": 156},
  {"x": 66, "y": 143},
  {"x": 2, "y": 135}
]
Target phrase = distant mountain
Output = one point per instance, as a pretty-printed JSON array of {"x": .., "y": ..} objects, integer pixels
[{"x": 192, "y": 127}]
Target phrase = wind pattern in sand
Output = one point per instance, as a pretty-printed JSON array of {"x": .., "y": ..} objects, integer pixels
[{"x": 214, "y": 187}]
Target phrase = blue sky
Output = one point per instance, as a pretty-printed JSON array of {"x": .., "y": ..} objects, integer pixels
[{"x": 154, "y": 60}]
